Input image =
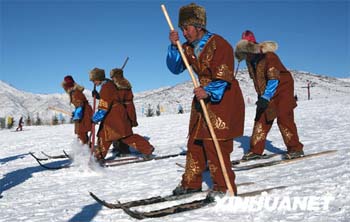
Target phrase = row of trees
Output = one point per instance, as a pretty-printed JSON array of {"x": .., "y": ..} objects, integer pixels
[
  {"x": 149, "y": 111},
  {"x": 9, "y": 121}
]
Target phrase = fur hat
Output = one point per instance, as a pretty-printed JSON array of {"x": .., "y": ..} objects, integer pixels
[
  {"x": 192, "y": 14},
  {"x": 97, "y": 74},
  {"x": 248, "y": 44},
  {"x": 68, "y": 82},
  {"x": 116, "y": 73},
  {"x": 249, "y": 35}
]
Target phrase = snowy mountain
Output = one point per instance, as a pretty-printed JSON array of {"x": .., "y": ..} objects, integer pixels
[
  {"x": 16, "y": 103},
  {"x": 169, "y": 97}
]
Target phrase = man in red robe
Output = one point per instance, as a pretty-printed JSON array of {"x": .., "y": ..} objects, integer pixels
[
  {"x": 83, "y": 111},
  {"x": 112, "y": 114},
  {"x": 212, "y": 58},
  {"x": 274, "y": 85}
]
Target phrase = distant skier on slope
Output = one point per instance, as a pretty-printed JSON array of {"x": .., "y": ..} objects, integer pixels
[
  {"x": 275, "y": 88},
  {"x": 20, "y": 123},
  {"x": 83, "y": 111},
  {"x": 115, "y": 124}
]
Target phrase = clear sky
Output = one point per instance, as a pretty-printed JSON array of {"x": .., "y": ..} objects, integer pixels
[{"x": 42, "y": 41}]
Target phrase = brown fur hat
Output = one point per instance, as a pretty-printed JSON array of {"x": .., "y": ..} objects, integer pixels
[
  {"x": 68, "y": 82},
  {"x": 116, "y": 73},
  {"x": 244, "y": 46},
  {"x": 192, "y": 14},
  {"x": 97, "y": 74}
]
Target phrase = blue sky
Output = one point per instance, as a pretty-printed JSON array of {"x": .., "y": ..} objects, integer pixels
[{"x": 42, "y": 41}]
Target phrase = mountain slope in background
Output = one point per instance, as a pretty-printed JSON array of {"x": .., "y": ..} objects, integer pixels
[
  {"x": 169, "y": 97},
  {"x": 16, "y": 103}
]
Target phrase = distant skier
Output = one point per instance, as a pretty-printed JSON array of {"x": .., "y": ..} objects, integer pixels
[
  {"x": 275, "y": 88},
  {"x": 158, "y": 110},
  {"x": 180, "y": 109},
  {"x": 83, "y": 111},
  {"x": 113, "y": 116},
  {"x": 20, "y": 123}
]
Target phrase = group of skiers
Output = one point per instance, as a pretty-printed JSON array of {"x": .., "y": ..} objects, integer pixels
[
  {"x": 115, "y": 111},
  {"x": 212, "y": 58}
]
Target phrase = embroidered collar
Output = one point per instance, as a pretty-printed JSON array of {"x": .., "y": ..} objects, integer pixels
[{"x": 198, "y": 45}]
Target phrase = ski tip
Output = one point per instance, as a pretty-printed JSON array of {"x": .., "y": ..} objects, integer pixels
[
  {"x": 98, "y": 200},
  {"x": 94, "y": 196},
  {"x": 134, "y": 214}
]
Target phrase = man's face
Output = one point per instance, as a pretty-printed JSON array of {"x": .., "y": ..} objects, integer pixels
[{"x": 191, "y": 33}]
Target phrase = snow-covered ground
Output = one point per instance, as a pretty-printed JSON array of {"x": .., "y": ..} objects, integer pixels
[{"x": 31, "y": 193}]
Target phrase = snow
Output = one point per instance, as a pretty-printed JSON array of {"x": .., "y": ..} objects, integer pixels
[
  {"x": 32, "y": 193},
  {"x": 17, "y": 103}
]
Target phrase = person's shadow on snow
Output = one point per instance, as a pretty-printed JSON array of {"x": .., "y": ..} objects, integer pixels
[
  {"x": 245, "y": 145},
  {"x": 87, "y": 213},
  {"x": 19, "y": 176},
  {"x": 12, "y": 158}
]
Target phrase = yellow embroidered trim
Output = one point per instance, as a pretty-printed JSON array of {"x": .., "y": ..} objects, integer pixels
[
  {"x": 103, "y": 104},
  {"x": 258, "y": 133},
  {"x": 286, "y": 134},
  {"x": 192, "y": 168},
  {"x": 273, "y": 73},
  {"x": 208, "y": 55},
  {"x": 224, "y": 72},
  {"x": 217, "y": 122}
]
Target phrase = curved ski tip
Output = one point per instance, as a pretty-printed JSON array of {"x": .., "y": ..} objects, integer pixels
[
  {"x": 134, "y": 214},
  {"x": 93, "y": 195}
]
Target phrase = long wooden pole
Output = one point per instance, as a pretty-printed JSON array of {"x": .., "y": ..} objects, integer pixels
[
  {"x": 204, "y": 108},
  {"x": 126, "y": 60},
  {"x": 60, "y": 110},
  {"x": 93, "y": 125}
]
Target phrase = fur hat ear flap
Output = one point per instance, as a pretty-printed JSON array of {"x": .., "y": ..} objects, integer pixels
[
  {"x": 268, "y": 46},
  {"x": 78, "y": 87},
  {"x": 244, "y": 46}
]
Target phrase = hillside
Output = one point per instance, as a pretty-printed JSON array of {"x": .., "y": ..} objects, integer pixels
[
  {"x": 16, "y": 102},
  {"x": 170, "y": 97}
]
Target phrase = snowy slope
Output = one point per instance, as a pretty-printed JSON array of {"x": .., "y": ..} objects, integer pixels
[
  {"x": 18, "y": 103},
  {"x": 15, "y": 102},
  {"x": 31, "y": 193},
  {"x": 321, "y": 87}
]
